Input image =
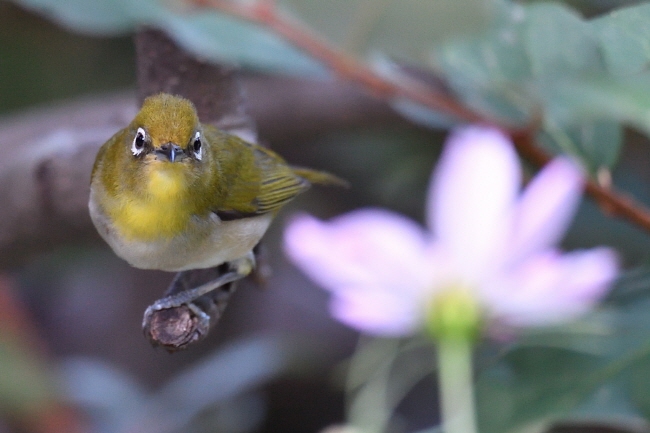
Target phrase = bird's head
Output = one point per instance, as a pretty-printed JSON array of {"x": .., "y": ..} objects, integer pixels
[{"x": 162, "y": 152}]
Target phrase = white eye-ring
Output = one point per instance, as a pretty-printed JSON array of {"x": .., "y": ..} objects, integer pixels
[
  {"x": 137, "y": 147},
  {"x": 197, "y": 146}
]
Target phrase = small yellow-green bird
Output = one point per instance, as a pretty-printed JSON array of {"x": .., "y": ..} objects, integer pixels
[{"x": 170, "y": 193}]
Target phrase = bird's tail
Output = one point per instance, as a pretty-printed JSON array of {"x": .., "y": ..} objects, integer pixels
[{"x": 320, "y": 177}]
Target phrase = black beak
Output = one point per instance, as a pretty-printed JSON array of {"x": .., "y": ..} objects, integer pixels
[{"x": 170, "y": 151}]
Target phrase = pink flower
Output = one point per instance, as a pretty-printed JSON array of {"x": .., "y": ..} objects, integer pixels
[{"x": 485, "y": 236}]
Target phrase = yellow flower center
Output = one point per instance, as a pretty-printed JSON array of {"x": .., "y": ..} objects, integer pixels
[{"x": 454, "y": 314}]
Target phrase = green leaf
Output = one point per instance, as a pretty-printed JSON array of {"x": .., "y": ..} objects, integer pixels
[
  {"x": 559, "y": 42},
  {"x": 572, "y": 100},
  {"x": 496, "y": 72},
  {"x": 207, "y": 33},
  {"x": 334, "y": 20},
  {"x": 639, "y": 383},
  {"x": 409, "y": 32},
  {"x": 545, "y": 58},
  {"x": 531, "y": 385},
  {"x": 596, "y": 143},
  {"x": 498, "y": 54},
  {"x": 610, "y": 404},
  {"x": 402, "y": 30},
  {"x": 99, "y": 17},
  {"x": 599, "y": 142},
  {"x": 630, "y": 287},
  {"x": 222, "y": 38},
  {"x": 491, "y": 72},
  {"x": 625, "y": 39}
]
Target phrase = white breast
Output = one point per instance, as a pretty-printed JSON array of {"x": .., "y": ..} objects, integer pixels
[{"x": 212, "y": 242}]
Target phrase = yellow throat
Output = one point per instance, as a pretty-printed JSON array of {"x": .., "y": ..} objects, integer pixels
[{"x": 158, "y": 212}]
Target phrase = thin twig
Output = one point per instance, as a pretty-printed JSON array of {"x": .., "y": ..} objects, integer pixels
[
  {"x": 611, "y": 202},
  {"x": 344, "y": 65},
  {"x": 265, "y": 7}
]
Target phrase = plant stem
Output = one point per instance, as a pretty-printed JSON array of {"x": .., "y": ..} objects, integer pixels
[{"x": 456, "y": 385}]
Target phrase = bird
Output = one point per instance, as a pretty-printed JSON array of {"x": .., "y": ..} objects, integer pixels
[{"x": 170, "y": 193}]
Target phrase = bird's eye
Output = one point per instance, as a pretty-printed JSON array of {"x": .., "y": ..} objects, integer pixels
[
  {"x": 138, "y": 142},
  {"x": 196, "y": 146}
]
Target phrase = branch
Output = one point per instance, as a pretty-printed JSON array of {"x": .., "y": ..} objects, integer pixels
[
  {"x": 611, "y": 202},
  {"x": 44, "y": 176}
]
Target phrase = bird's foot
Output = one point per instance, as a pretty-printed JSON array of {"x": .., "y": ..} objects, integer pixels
[
  {"x": 238, "y": 269},
  {"x": 184, "y": 316}
]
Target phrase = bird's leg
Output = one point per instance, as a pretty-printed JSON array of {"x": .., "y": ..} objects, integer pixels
[
  {"x": 238, "y": 269},
  {"x": 185, "y": 314}
]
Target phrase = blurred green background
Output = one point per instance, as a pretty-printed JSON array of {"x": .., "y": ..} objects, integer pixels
[{"x": 42, "y": 62}]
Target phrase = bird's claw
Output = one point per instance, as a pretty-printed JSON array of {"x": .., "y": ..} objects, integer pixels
[{"x": 176, "y": 321}]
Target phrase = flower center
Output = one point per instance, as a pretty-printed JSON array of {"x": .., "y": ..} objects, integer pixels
[{"x": 454, "y": 314}]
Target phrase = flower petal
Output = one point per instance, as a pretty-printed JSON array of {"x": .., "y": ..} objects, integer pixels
[
  {"x": 551, "y": 287},
  {"x": 369, "y": 246},
  {"x": 471, "y": 197},
  {"x": 373, "y": 261},
  {"x": 376, "y": 310},
  {"x": 546, "y": 207}
]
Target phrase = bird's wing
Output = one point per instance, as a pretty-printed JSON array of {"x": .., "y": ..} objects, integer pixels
[
  {"x": 274, "y": 185},
  {"x": 279, "y": 184}
]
